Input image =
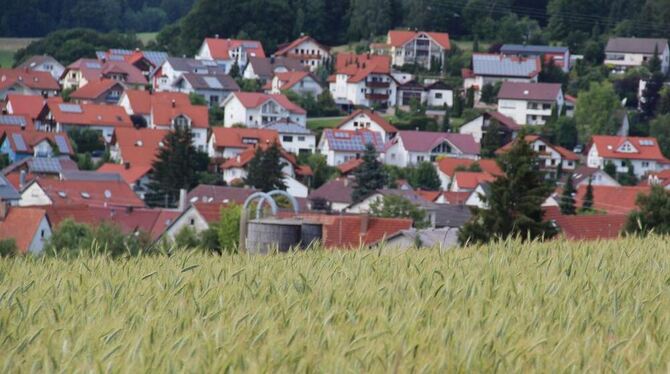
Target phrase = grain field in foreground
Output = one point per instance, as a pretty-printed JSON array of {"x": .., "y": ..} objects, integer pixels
[{"x": 556, "y": 307}]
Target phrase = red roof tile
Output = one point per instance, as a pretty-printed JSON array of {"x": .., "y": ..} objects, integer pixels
[
  {"x": 376, "y": 118},
  {"x": 455, "y": 198},
  {"x": 94, "y": 89},
  {"x": 613, "y": 200},
  {"x": 644, "y": 148},
  {"x": 37, "y": 80},
  {"x": 468, "y": 180},
  {"x": 566, "y": 154},
  {"x": 256, "y": 99},
  {"x": 398, "y": 38},
  {"x": 220, "y": 48},
  {"x": 591, "y": 227},
  {"x": 429, "y": 195},
  {"x": 448, "y": 165},
  {"x": 142, "y": 101},
  {"x": 91, "y": 193},
  {"x": 31, "y": 138},
  {"x": 28, "y": 105},
  {"x": 285, "y": 50},
  {"x": 233, "y": 137},
  {"x": 291, "y": 78},
  {"x": 350, "y": 166},
  {"x": 504, "y": 120},
  {"x": 139, "y": 147},
  {"x": 21, "y": 224},
  {"x": 164, "y": 114},
  {"x": 130, "y": 174},
  {"x": 358, "y": 67},
  {"x": 89, "y": 114}
]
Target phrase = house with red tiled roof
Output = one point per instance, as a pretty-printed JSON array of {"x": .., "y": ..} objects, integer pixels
[
  {"x": 432, "y": 93},
  {"x": 28, "y": 227},
  {"x": 138, "y": 177},
  {"x": 214, "y": 88},
  {"x": 418, "y": 48},
  {"x": 168, "y": 116},
  {"x": 340, "y": 146},
  {"x": 136, "y": 147},
  {"x": 254, "y": 109},
  {"x": 265, "y": 68},
  {"x": 363, "y": 80},
  {"x": 104, "y": 91},
  {"x": 307, "y": 50},
  {"x": 300, "y": 82},
  {"x": 606, "y": 199},
  {"x": 448, "y": 166},
  {"x": 413, "y": 147},
  {"x": 552, "y": 157},
  {"x": 364, "y": 119},
  {"x": 490, "y": 69},
  {"x": 197, "y": 217},
  {"x": 18, "y": 143},
  {"x": 530, "y": 103},
  {"x": 104, "y": 193},
  {"x": 225, "y": 52},
  {"x": 507, "y": 127},
  {"x": 145, "y": 61},
  {"x": 452, "y": 198},
  {"x": 85, "y": 70},
  {"x": 235, "y": 170},
  {"x": 43, "y": 63},
  {"x": 349, "y": 167},
  {"x": 644, "y": 154},
  {"x": 227, "y": 142},
  {"x": 590, "y": 227},
  {"x": 60, "y": 116},
  {"x": 209, "y": 194},
  {"x": 27, "y": 82},
  {"x": 29, "y": 106},
  {"x": 466, "y": 181}
]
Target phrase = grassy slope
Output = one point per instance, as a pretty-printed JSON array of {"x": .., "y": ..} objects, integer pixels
[
  {"x": 554, "y": 307},
  {"x": 9, "y": 46}
]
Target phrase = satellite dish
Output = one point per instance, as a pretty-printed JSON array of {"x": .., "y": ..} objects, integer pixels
[
  {"x": 108, "y": 194},
  {"x": 194, "y": 200}
]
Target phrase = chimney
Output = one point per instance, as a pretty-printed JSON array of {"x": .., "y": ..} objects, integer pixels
[
  {"x": 174, "y": 103},
  {"x": 22, "y": 179},
  {"x": 182, "y": 200},
  {"x": 4, "y": 209},
  {"x": 365, "y": 221}
]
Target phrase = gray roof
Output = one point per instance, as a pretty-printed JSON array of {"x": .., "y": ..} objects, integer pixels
[
  {"x": 218, "y": 194},
  {"x": 191, "y": 65},
  {"x": 636, "y": 45},
  {"x": 214, "y": 82},
  {"x": 505, "y": 66},
  {"x": 531, "y": 49},
  {"x": 412, "y": 196},
  {"x": 334, "y": 191},
  {"x": 286, "y": 126},
  {"x": 265, "y": 67},
  {"x": 447, "y": 215},
  {"x": 81, "y": 175},
  {"x": 38, "y": 60},
  {"x": 156, "y": 57},
  {"x": 7, "y": 191},
  {"x": 430, "y": 238}
]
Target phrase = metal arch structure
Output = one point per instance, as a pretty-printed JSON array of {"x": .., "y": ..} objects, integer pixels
[
  {"x": 294, "y": 202},
  {"x": 263, "y": 197}
]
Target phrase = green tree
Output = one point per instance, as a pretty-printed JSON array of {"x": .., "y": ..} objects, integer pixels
[
  {"x": 235, "y": 70},
  {"x": 321, "y": 170},
  {"x": 457, "y": 110},
  {"x": 370, "y": 176},
  {"x": 514, "y": 203},
  {"x": 8, "y": 248},
  {"x": 651, "y": 95},
  {"x": 568, "y": 197},
  {"x": 425, "y": 177},
  {"x": 187, "y": 238},
  {"x": 175, "y": 168},
  {"x": 587, "y": 202},
  {"x": 596, "y": 109},
  {"x": 209, "y": 239},
  {"x": 395, "y": 206},
  {"x": 664, "y": 101},
  {"x": 610, "y": 169},
  {"x": 470, "y": 98},
  {"x": 491, "y": 140},
  {"x": 229, "y": 228},
  {"x": 628, "y": 178},
  {"x": 652, "y": 214},
  {"x": 488, "y": 94},
  {"x": 69, "y": 236},
  {"x": 446, "y": 123},
  {"x": 654, "y": 63},
  {"x": 197, "y": 99},
  {"x": 659, "y": 128},
  {"x": 265, "y": 170}
]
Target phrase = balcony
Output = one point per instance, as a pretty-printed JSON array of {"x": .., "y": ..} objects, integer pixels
[
  {"x": 377, "y": 84},
  {"x": 376, "y": 97}
]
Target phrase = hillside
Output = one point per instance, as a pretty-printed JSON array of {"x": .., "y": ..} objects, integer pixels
[{"x": 555, "y": 307}]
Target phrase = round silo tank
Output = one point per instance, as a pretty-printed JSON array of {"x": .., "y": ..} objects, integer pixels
[
  {"x": 267, "y": 235},
  {"x": 310, "y": 233}
]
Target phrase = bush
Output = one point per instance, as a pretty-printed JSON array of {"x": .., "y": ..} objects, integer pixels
[
  {"x": 229, "y": 228},
  {"x": 71, "y": 238},
  {"x": 8, "y": 248},
  {"x": 187, "y": 238}
]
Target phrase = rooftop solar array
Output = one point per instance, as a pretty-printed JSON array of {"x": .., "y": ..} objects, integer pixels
[
  {"x": 213, "y": 82},
  {"x": 19, "y": 142},
  {"x": 45, "y": 165},
  {"x": 70, "y": 108},
  {"x": 93, "y": 65},
  {"x": 62, "y": 144},
  {"x": 8, "y": 120},
  {"x": 354, "y": 143}
]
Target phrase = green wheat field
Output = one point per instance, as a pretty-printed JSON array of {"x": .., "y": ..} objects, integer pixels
[{"x": 510, "y": 307}]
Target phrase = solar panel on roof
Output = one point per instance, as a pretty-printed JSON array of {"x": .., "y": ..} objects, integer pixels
[
  {"x": 120, "y": 51},
  {"x": 93, "y": 65},
  {"x": 116, "y": 58},
  {"x": 3, "y": 181},
  {"x": 61, "y": 143},
  {"x": 12, "y": 120},
  {"x": 45, "y": 165},
  {"x": 20, "y": 144},
  {"x": 209, "y": 63},
  {"x": 250, "y": 44},
  {"x": 213, "y": 82},
  {"x": 70, "y": 108}
]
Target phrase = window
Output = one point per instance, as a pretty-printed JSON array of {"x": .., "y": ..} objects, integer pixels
[
  {"x": 301, "y": 138},
  {"x": 645, "y": 164},
  {"x": 623, "y": 164},
  {"x": 213, "y": 100},
  {"x": 542, "y": 148},
  {"x": 251, "y": 118},
  {"x": 420, "y": 158},
  {"x": 438, "y": 95},
  {"x": 287, "y": 139},
  {"x": 180, "y": 121},
  {"x": 192, "y": 222},
  {"x": 42, "y": 234}
]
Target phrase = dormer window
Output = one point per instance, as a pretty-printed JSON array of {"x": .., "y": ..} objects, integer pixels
[
  {"x": 626, "y": 148},
  {"x": 444, "y": 147},
  {"x": 181, "y": 121}
]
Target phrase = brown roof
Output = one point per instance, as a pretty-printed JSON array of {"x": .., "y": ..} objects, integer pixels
[
  {"x": 636, "y": 45},
  {"x": 286, "y": 48},
  {"x": 610, "y": 199},
  {"x": 129, "y": 173},
  {"x": 21, "y": 224},
  {"x": 358, "y": 67},
  {"x": 90, "y": 193},
  {"x": 376, "y": 118},
  {"x": 38, "y": 80},
  {"x": 335, "y": 191},
  {"x": 591, "y": 227},
  {"x": 424, "y": 141},
  {"x": 233, "y": 137},
  {"x": 141, "y": 101},
  {"x": 94, "y": 89},
  {"x": 88, "y": 114},
  {"x": 448, "y": 165},
  {"x": 529, "y": 91},
  {"x": 264, "y": 67},
  {"x": 398, "y": 38},
  {"x": 349, "y": 166},
  {"x": 566, "y": 154}
]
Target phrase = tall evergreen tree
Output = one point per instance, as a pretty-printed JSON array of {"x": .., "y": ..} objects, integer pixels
[
  {"x": 654, "y": 63},
  {"x": 425, "y": 177},
  {"x": 491, "y": 139},
  {"x": 175, "y": 167},
  {"x": 651, "y": 95},
  {"x": 514, "y": 201},
  {"x": 370, "y": 176},
  {"x": 568, "y": 197},
  {"x": 264, "y": 171},
  {"x": 587, "y": 203},
  {"x": 235, "y": 70}
]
